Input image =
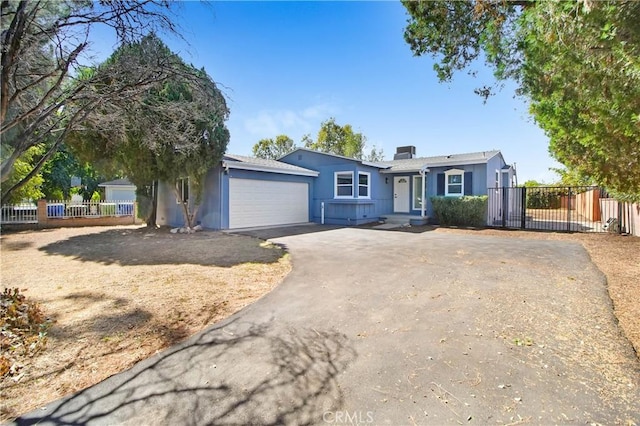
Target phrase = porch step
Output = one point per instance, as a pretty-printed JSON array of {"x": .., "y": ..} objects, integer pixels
[
  {"x": 404, "y": 219},
  {"x": 396, "y": 219}
]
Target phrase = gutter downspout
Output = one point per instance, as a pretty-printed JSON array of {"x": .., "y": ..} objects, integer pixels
[
  {"x": 423, "y": 173},
  {"x": 224, "y": 170}
]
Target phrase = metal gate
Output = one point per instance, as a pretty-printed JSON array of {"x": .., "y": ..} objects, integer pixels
[{"x": 568, "y": 209}]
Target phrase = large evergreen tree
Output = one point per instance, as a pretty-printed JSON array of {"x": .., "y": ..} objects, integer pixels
[
  {"x": 578, "y": 62},
  {"x": 177, "y": 131}
]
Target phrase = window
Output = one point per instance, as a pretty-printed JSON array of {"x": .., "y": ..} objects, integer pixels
[
  {"x": 343, "y": 185},
  {"x": 363, "y": 184},
  {"x": 182, "y": 185},
  {"x": 417, "y": 188},
  {"x": 454, "y": 183}
]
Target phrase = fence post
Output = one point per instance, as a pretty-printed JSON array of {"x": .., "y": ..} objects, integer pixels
[
  {"x": 505, "y": 206},
  {"x": 523, "y": 201},
  {"x": 43, "y": 217},
  {"x": 620, "y": 203},
  {"x": 568, "y": 209}
]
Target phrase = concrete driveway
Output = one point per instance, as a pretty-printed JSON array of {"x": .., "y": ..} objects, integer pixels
[{"x": 379, "y": 327}]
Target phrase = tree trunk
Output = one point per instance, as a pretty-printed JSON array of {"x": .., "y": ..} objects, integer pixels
[{"x": 151, "y": 218}]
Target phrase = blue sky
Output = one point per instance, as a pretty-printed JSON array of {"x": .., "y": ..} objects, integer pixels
[{"x": 287, "y": 66}]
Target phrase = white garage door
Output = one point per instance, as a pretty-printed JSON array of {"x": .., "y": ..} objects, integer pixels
[
  {"x": 265, "y": 203},
  {"x": 122, "y": 195}
]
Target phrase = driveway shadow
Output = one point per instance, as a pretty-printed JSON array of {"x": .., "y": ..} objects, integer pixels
[
  {"x": 285, "y": 231},
  {"x": 291, "y": 380},
  {"x": 144, "y": 246}
]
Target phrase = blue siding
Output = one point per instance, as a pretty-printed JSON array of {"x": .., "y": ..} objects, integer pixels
[
  {"x": 341, "y": 211},
  {"x": 170, "y": 212},
  {"x": 495, "y": 163},
  {"x": 210, "y": 212},
  {"x": 479, "y": 179}
]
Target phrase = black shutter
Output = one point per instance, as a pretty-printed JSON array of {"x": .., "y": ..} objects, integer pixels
[
  {"x": 440, "y": 185},
  {"x": 468, "y": 183}
]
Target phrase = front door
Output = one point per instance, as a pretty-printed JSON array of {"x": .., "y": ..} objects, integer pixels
[{"x": 401, "y": 194}]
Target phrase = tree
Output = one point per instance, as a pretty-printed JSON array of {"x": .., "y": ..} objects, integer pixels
[
  {"x": 58, "y": 171},
  {"x": 375, "y": 155},
  {"x": 340, "y": 140},
  {"x": 42, "y": 46},
  {"x": 274, "y": 149},
  {"x": 22, "y": 166},
  {"x": 176, "y": 132},
  {"x": 576, "y": 62}
]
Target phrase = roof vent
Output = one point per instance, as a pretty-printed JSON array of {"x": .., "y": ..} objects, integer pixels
[{"x": 405, "y": 152}]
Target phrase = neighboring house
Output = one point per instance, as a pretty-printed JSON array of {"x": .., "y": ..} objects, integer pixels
[
  {"x": 119, "y": 190},
  {"x": 310, "y": 186}
]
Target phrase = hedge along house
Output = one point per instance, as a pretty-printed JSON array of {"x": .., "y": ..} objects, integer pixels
[{"x": 310, "y": 186}]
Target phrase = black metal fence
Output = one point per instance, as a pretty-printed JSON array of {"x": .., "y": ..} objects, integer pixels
[{"x": 569, "y": 209}]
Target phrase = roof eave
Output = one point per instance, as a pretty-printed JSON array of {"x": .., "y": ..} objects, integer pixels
[
  {"x": 434, "y": 165},
  {"x": 259, "y": 168},
  {"x": 363, "y": 162}
]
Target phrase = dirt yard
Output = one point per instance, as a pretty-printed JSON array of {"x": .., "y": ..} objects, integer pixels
[
  {"x": 119, "y": 295},
  {"x": 617, "y": 256}
]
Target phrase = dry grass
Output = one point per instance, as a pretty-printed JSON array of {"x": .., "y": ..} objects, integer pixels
[{"x": 119, "y": 295}]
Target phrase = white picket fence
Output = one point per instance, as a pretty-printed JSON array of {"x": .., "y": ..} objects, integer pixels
[
  {"x": 75, "y": 208},
  {"x": 63, "y": 209},
  {"x": 19, "y": 213}
]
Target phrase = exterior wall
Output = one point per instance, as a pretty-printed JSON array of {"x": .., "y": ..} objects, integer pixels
[
  {"x": 210, "y": 212},
  {"x": 479, "y": 180},
  {"x": 343, "y": 211},
  {"x": 168, "y": 213},
  {"x": 494, "y": 163}
]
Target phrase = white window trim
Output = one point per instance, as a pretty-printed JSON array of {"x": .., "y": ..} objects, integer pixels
[
  {"x": 182, "y": 182},
  {"x": 413, "y": 193},
  {"x": 335, "y": 185},
  {"x": 446, "y": 182},
  {"x": 368, "y": 196}
]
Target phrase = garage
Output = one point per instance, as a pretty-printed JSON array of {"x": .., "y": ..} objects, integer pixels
[
  {"x": 119, "y": 190},
  {"x": 254, "y": 202}
]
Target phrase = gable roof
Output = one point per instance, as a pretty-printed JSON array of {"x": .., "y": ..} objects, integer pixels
[
  {"x": 117, "y": 182},
  {"x": 242, "y": 162},
  {"x": 328, "y": 154},
  {"x": 415, "y": 164}
]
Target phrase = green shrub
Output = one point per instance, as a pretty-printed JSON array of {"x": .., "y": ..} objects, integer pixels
[
  {"x": 95, "y": 196},
  {"x": 461, "y": 211},
  {"x": 56, "y": 195}
]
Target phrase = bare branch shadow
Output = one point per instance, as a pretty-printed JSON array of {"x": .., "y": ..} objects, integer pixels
[{"x": 232, "y": 374}]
